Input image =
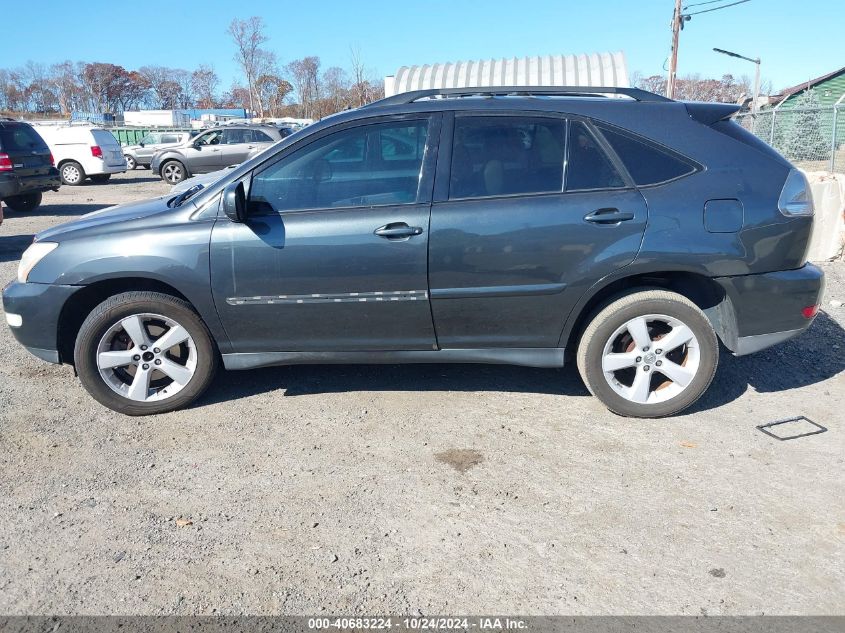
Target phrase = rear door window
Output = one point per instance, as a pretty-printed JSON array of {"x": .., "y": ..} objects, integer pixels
[
  {"x": 647, "y": 164},
  {"x": 20, "y": 138},
  {"x": 236, "y": 136},
  {"x": 500, "y": 156},
  {"x": 588, "y": 166}
]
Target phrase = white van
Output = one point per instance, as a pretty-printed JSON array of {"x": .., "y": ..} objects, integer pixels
[{"x": 83, "y": 152}]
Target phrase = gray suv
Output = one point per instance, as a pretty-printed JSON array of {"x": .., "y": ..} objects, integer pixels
[
  {"x": 528, "y": 226},
  {"x": 213, "y": 150},
  {"x": 141, "y": 155}
]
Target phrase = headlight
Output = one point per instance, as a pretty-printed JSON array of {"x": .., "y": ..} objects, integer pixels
[{"x": 31, "y": 256}]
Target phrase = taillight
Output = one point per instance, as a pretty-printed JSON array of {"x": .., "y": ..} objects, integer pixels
[
  {"x": 796, "y": 198},
  {"x": 52, "y": 160},
  {"x": 810, "y": 311},
  {"x": 5, "y": 162},
  {"x": 96, "y": 152}
]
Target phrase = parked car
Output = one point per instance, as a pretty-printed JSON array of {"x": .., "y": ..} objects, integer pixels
[
  {"x": 142, "y": 153},
  {"x": 630, "y": 235},
  {"x": 26, "y": 166},
  {"x": 212, "y": 150},
  {"x": 83, "y": 152}
]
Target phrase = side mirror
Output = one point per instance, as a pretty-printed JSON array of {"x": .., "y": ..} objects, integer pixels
[
  {"x": 141, "y": 143},
  {"x": 234, "y": 201},
  {"x": 196, "y": 144}
]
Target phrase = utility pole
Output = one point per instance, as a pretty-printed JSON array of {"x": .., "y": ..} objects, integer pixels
[
  {"x": 678, "y": 20},
  {"x": 673, "y": 60}
]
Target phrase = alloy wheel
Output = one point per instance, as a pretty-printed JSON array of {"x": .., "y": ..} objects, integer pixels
[
  {"x": 146, "y": 357},
  {"x": 71, "y": 174},
  {"x": 173, "y": 173},
  {"x": 651, "y": 358}
]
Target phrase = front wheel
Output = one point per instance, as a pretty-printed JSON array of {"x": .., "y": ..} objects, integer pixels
[
  {"x": 648, "y": 354},
  {"x": 130, "y": 162},
  {"x": 143, "y": 353},
  {"x": 173, "y": 172},
  {"x": 25, "y": 202}
]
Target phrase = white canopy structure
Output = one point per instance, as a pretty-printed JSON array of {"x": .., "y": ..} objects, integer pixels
[{"x": 596, "y": 69}]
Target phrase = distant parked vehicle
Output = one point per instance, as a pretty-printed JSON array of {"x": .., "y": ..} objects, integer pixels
[
  {"x": 203, "y": 179},
  {"x": 212, "y": 150},
  {"x": 26, "y": 167},
  {"x": 82, "y": 152},
  {"x": 141, "y": 155}
]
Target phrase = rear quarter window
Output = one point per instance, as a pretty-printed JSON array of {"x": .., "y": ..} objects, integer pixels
[
  {"x": 647, "y": 164},
  {"x": 20, "y": 138}
]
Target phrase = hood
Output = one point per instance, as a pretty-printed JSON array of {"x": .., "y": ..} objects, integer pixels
[{"x": 105, "y": 220}]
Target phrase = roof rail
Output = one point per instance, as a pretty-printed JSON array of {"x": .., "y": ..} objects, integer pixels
[{"x": 521, "y": 91}]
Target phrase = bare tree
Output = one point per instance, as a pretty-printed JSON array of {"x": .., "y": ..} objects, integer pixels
[
  {"x": 359, "y": 75},
  {"x": 305, "y": 74},
  {"x": 336, "y": 89},
  {"x": 248, "y": 36},
  {"x": 365, "y": 86},
  {"x": 204, "y": 83}
]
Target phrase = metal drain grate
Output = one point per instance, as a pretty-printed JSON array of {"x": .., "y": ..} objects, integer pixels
[{"x": 792, "y": 428}]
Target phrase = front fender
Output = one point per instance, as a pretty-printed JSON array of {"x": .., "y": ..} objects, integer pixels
[{"x": 174, "y": 254}]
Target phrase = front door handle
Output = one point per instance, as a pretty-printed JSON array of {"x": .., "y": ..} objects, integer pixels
[
  {"x": 608, "y": 216},
  {"x": 397, "y": 231}
]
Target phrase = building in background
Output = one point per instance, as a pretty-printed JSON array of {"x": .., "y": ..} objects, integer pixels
[
  {"x": 597, "y": 69},
  {"x": 829, "y": 90}
]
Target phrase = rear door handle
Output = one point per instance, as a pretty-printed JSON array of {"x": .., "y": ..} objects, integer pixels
[
  {"x": 397, "y": 231},
  {"x": 608, "y": 216}
]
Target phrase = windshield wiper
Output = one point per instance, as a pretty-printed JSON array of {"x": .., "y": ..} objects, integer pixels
[{"x": 178, "y": 200}]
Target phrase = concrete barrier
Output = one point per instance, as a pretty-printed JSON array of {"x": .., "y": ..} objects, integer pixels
[{"x": 829, "y": 226}]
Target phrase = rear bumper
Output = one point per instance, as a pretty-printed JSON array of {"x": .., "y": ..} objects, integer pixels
[
  {"x": 108, "y": 169},
  {"x": 14, "y": 185},
  {"x": 767, "y": 308},
  {"x": 37, "y": 308}
]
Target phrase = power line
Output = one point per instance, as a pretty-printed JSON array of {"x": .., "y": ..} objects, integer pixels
[
  {"x": 724, "y": 6},
  {"x": 698, "y": 4}
]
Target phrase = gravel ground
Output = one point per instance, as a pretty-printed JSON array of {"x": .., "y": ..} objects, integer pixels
[{"x": 419, "y": 489}]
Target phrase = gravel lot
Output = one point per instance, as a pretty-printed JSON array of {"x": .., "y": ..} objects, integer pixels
[{"x": 430, "y": 489}]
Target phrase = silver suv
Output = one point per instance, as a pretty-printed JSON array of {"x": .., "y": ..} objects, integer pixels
[
  {"x": 213, "y": 150},
  {"x": 142, "y": 153}
]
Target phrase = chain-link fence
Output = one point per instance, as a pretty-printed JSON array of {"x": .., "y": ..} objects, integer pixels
[{"x": 812, "y": 138}]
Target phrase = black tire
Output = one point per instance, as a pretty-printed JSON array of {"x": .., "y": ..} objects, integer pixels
[
  {"x": 131, "y": 163},
  {"x": 173, "y": 172},
  {"x": 110, "y": 313},
  {"x": 23, "y": 203},
  {"x": 603, "y": 331},
  {"x": 72, "y": 173},
  {"x": 101, "y": 178}
]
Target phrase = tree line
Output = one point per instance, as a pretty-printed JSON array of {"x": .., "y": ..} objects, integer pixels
[
  {"x": 301, "y": 88},
  {"x": 727, "y": 89}
]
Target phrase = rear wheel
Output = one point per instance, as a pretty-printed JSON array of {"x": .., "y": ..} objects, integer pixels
[
  {"x": 130, "y": 162},
  {"x": 143, "y": 353},
  {"x": 72, "y": 173},
  {"x": 648, "y": 354},
  {"x": 173, "y": 172},
  {"x": 100, "y": 178},
  {"x": 25, "y": 202}
]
